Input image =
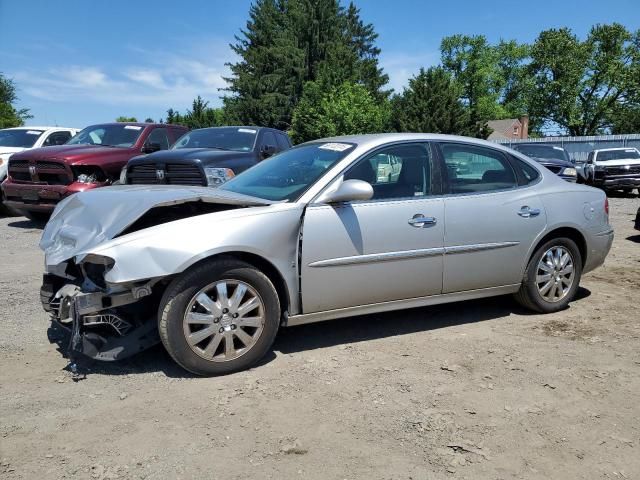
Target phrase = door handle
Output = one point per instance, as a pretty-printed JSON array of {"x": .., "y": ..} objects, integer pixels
[
  {"x": 526, "y": 212},
  {"x": 420, "y": 221}
]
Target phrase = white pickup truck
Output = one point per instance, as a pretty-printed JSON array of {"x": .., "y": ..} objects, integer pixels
[
  {"x": 13, "y": 140},
  {"x": 612, "y": 169}
]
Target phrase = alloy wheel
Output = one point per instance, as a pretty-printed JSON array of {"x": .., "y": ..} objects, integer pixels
[
  {"x": 224, "y": 320},
  {"x": 555, "y": 274}
]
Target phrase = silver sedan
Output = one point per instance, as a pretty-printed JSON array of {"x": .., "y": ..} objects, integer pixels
[{"x": 311, "y": 234}]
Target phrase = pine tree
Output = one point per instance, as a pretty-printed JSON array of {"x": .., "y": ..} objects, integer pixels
[
  {"x": 431, "y": 104},
  {"x": 288, "y": 43}
]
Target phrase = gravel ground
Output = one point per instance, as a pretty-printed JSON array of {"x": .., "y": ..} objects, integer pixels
[{"x": 480, "y": 389}]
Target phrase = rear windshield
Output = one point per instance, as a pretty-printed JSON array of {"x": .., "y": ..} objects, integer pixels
[
  {"x": 111, "y": 135},
  {"x": 605, "y": 155},
  {"x": 542, "y": 151},
  {"x": 237, "y": 139},
  {"x": 19, "y": 138}
]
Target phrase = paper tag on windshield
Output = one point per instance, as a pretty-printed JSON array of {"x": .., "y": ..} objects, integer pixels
[
  {"x": 246, "y": 130},
  {"x": 132, "y": 127},
  {"x": 33, "y": 132},
  {"x": 336, "y": 147},
  {"x": 558, "y": 148}
]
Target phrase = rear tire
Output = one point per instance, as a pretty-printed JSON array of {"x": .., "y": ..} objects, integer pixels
[
  {"x": 212, "y": 333},
  {"x": 552, "y": 276}
]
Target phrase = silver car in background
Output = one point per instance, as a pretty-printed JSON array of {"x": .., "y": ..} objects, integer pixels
[{"x": 314, "y": 234}]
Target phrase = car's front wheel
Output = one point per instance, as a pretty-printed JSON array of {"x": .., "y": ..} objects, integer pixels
[
  {"x": 219, "y": 317},
  {"x": 552, "y": 276}
]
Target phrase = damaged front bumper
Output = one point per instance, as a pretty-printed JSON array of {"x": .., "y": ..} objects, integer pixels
[{"x": 104, "y": 325}]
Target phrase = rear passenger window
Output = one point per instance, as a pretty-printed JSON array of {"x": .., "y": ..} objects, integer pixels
[
  {"x": 526, "y": 172},
  {"x": 472, "y": 169}
]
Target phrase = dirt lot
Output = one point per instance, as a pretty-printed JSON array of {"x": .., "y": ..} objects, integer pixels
[{"x": 472, "y": 390}]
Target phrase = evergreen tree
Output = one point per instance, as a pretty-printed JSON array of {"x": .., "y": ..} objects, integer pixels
[
  {"x": 288, "y": 43},
  {"x": 431, "y": 104}
]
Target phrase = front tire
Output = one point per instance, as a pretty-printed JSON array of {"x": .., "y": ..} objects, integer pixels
[
  {"x": 552, "y": 276},
  {"x": 219, "y": 317}
]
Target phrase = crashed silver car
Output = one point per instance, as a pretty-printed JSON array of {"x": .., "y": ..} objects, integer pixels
[{"x": 314, "y": 233}]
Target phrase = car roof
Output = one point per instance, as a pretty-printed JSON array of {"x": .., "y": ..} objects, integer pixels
[
  {"x": 34, "y": 127},
  {"x": 375, "y": 139},
  {"x": 614, "y": 149}
]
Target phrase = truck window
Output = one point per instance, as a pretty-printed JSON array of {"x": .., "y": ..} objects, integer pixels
[
  {"x": 283, "y": 141},
  {"x": 56, "y": 138},
  {"x": 159, "y": 136}
]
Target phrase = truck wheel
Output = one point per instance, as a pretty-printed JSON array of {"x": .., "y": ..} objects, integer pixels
[
  {"x": 552, "y": 276},
  {"x": 219, "y": 317}
]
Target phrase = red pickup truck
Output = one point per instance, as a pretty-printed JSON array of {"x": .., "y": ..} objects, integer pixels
[{"x": 38, "y": 179}]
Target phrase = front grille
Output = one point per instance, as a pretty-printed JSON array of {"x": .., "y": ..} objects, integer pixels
[
  {"x": 184, "y": 174},
  {"x": 169, "y": 173},
  {"x": 47, "y": 172},
  {"x": 623, "y": 170},
  {"x": 555, "y": 168},
  {"x": 142, "y": 174}
]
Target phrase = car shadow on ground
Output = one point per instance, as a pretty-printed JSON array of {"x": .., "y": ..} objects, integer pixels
[
  {"x": 27, "y": 224},
  {"x": 634, "y": 238},
  {"x": 320, "y": 335}
]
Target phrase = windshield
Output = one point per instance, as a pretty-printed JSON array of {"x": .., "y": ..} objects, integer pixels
[
  {"x": 19, "y": 138},
  {"x": 543, "y": 152},
  {"x": 289, "y": 174},
  {"x": 627, "y": 153},
  {"x": 123, "y": 136},
  {"x": 227, "y": 138}
]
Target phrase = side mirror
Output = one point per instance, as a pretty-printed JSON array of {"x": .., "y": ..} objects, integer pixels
[
  {"x": 267, "y": 150},
  {"x": 349, "y": 190},
  {"x": 151, "y": 147}
]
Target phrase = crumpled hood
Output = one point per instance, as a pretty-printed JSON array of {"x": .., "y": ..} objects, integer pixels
[{"x": 87, "y": 219}]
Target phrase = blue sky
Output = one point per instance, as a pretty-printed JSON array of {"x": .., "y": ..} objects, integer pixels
[{"x": 81, "y": 62}]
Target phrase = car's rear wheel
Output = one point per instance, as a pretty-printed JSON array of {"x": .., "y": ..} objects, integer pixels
[
  {"x": 552, "y": 276},
  {"x": 220, "y": 317}
]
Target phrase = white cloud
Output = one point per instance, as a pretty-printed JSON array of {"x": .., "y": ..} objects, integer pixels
[
  {"x": 402, "y": 66},
  {"x": 159, "y": 79}
]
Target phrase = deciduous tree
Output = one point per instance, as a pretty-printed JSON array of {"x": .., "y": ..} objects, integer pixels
[{"x": 10, "y": 116}]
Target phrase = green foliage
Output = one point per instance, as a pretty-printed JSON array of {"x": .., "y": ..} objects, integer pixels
[
  {"x": 288, "y": 43},
  {"x": 9, "y": 115},
  {"x": 431, "y": 104},
  {"x": 123, "y": 119},
  {"x": 149, "y": 120},
  {"x": 490, "y": 76},
  {"x": 200, "y": 115},
  {"x": 347, "y": 109},
  {"x": 586, "y": 87}
]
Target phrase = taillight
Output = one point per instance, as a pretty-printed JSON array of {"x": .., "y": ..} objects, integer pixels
[{"x": 606, "y": 205}]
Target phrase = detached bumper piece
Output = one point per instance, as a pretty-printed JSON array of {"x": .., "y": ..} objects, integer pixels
[{"x": 95, "y": 320}]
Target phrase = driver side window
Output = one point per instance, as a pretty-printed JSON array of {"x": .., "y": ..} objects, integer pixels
[
  {"x": 159, "y": 136},
  {"x": 400, "y": 171}
]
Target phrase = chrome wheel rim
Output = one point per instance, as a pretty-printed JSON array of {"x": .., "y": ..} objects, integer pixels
[
  {"x": 224, "y": 320},
  {"x": 555, "y": 274}
]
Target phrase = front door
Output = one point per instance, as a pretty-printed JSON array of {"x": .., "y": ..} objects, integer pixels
[
  {"x": 492, "y": 217},
  {"x": 384, "y": 249}
]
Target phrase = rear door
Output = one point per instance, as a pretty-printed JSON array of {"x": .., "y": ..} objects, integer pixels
[
  {"x": 492, "y": 217},
  {"x": 383, "y": 249}
]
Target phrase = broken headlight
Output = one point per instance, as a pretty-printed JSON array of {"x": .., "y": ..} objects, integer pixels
[
  {"x": 88, "y": 174},
  {"x": 95, "y": 267}
]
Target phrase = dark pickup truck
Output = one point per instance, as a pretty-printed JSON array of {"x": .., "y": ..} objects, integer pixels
[
  {"x": 39, "y": 178},
  {"x": 552, "y": 157},
  {"x": 206, "y": 157}
]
